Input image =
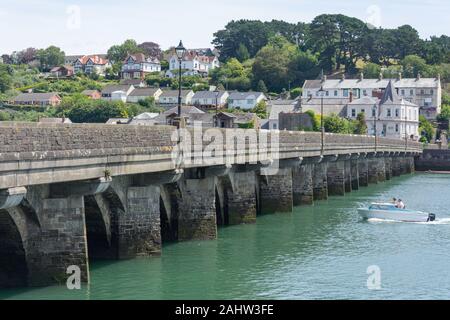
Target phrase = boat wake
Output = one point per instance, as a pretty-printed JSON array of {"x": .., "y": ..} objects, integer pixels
[{"x": 436, "y": 222}]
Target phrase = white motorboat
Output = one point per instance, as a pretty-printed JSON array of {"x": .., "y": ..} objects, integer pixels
[{"x": 388, "y": 211}]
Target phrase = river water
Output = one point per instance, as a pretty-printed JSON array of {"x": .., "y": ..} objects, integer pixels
[{"x": 317, "y": 252}]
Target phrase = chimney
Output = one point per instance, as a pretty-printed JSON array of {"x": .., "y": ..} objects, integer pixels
[
  {"x": 343, "y": 77},
  {"x": 439, "y": 77},
  {"x": 399, "y": 76},
  {"x": 324, "y": 78},
  {"x": 361, "y": 76},
  {"x": 380, "y": 76},
  {"x": 418, "y": 76}
]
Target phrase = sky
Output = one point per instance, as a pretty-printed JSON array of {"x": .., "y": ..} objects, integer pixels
[{"x": 92, "y": 26}]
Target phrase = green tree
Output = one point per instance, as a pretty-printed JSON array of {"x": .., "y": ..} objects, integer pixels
[
  {"x": 262, "y": 86},
  {"x": 426, "y": 129},
  {"x": 261, "y": 109},
  {"x": 335, "y": 124},
  {"x": 50, "y": 57},
  {"x": 360, "y": 125},
  {"x": 242, "y": 53},
  {"x": 118, "y": 53},
  {"x": 413, "y": 65},
  {"x": 5, "y": 81},
  {"x": 371, "y": 70}
]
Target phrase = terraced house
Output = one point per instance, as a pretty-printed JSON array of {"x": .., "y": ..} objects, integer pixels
[
  {"x": 194, "y": 62},
  {"x": 338, "y": 93}
]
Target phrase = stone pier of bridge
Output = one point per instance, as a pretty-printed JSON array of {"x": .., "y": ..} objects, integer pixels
[{"x": 123, "y": 197}]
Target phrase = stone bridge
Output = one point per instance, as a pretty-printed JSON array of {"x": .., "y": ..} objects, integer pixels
[{"x": 69, "y": 193}]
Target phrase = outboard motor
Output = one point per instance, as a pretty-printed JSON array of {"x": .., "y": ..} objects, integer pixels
[{"x": 431, "y": 217}]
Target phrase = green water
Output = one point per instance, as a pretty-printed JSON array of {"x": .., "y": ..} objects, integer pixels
[{"x": 318, "y": 252}]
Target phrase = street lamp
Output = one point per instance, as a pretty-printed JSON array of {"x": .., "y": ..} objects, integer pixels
[
  {"x": 216, "y": 93},
  {"x": 406, "y": 123},
  {"x": 180, "y": 50},
  {"x": 322, "y": 128},
  {"x": 374, "y": 113}
]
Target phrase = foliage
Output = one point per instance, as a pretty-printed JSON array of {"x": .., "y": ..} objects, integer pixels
[
  {"x": 335, "y": 124},
  {"x": 371, "y": 70},
  {"x": 445, "y": 113},
  {"x": 118, "y": 53},
  {"x": 315, "y": 120},
  {"x": 50, "y": 57},
  {"x": 296, "y": 92},
  {"x": 360, "y": 124},
  {"x": 262, "y": 86},
  {"x": 426, "y": 129},
  {"x": 413, "y": 65},
  {"x": 261, "y": 109}
]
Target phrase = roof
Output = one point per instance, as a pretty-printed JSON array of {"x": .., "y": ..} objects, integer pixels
[
  {"x": 56, "y": 69},
  {"x": 390, "y": 95},
  {"x": 135, "y": 82},
  {"x": 366, "y": 100},
  {"x": 146, "y": 116},
  {"x": 35, "y": 96},
  {"x": 331, "y": 84},
  {"x": 144, "y": 92},
  {"x": 278, "y": 108},
  {"x": 244, "y": 95},
  {"x": 89, "y": 92},
  {"x": 244, "y": 117},
  {"x": 141, "y": 58},
  {"x": 118, "y": 121},
  {"x": 174, "y": 93},
  {"x": 116, "y": 87},
  {"x": 55, "y": 120},
  {"x": 95, "y": 59},
  {"x": 184, "y": 110},
  {"x": 208, "y": 94}
]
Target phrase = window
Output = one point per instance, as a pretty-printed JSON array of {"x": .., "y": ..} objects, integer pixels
[
  {"x": 396, "y": 127},
  {"x": 397, "y": 113},
  {"x": 411, "y": 92},
  {"x": 374, "y": 113},
  {"x": 389, "y": 114},
  {"x": 363, "y": 110},
  {"x": 335, "y": 93},
  {"x": 353, "y": 113},
  {"x": 403, "y": 92},
  {"x": 345, "y": 92},
  {"x": 431, "y": 91},
  {"x": 365, "y": 92},
  {"x": 384, "y": 130},
  {"x": 274, "y": 126},
  {"x": 327, "y": 93}
]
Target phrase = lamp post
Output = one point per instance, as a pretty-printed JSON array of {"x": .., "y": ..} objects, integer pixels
[
  {"x": 216, "y": 93},
  {"x": 374, "y": 113},
  {"x": 180, "y": 50},
  {"x": 406, "y": 123},
  {"x": 322, "y": 128}
]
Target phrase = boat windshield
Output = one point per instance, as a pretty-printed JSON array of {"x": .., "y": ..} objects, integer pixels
[{"x": 383, "y": 207}]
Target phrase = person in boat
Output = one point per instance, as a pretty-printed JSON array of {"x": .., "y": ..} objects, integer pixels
[
  {"x": 394, "y": 201},
  {"x": 400, "y": 204}
]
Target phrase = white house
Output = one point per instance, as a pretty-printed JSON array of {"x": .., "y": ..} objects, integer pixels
[
  {"x": 117, "y": 92},
  {"x": 209, "y": 99},
  {"x": 137, "y": 66},
  {"x": 276, "y": 107},
  {"x": 170, "y": 97},
  {"x": 424, "y": 92},
  {"x": 395, "y": 117},
  {"x": 193, "y": 63},
  {"x": 139, "y": 94},
  {"x": 91, "y": 64},
  {"x": 245, "y": 100}
]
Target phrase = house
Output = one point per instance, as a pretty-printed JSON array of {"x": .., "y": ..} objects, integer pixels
[
  {"x": 169, "y": 116},
  {"x": 278, "y": 106},
  {"x": 70, "y": 60},
  {"x": 424, "y": 92},
  {"x": 55, "y": 120},
  {"x": 118, "y": 121},
  {"x": 210, "y": 99},
  {"x": 91, "y": 65},
  {"x": 139, "y": 94},
  {"x": 62, "y": 72},
  {"x": 169, "y": 98},
  {"x": 37, "y": 99},
  {"x": 395, "y": 117},
  {"x": 245, "y": 100},
  {"x": 137, "y": 66},
  {"x": 137, "y": 83},
  {"x": 145, "y": 119},
  {"x": 117, "y": 92},
  {"x": 194, "y": 62},
  {"x": 93, "y": 94}
]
